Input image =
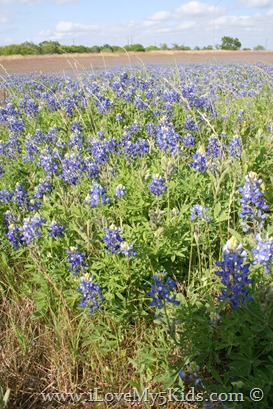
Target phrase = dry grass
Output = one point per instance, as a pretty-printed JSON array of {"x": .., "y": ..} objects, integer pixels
[{"x": 65, "y": 62}]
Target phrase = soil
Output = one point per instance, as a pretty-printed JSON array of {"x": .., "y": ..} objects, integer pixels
[{"x": 82, "y": 62}]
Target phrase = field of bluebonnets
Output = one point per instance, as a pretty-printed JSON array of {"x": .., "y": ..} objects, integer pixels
[{"x": 136, "y": 239}]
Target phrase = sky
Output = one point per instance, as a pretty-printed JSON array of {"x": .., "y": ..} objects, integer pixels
[{"x": 147, "y": 22}]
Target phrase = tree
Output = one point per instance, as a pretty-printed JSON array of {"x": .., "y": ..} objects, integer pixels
[
  {"x": 134, "y": 47},
  {"x": 163, "y": 47},
  {"x": 50, "y": 47},
  {"x": 259, "y": 47},
  {"x": 230, "y": 43}
]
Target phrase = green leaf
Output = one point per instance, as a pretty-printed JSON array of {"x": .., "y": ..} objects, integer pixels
[
  {"x": 217, "y": 210},
  {"x": 235, "y": 234}
]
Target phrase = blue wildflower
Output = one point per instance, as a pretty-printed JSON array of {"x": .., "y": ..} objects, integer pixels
[
  {"x": 161, "y": 290},
  {"x": 112, "y": 239},
  {"x": 76, "y": 259},
  {"x": 30, "y": 230},
  {"x": 120, "y": 189},
  {"x": 234, "y": 274},
  {"x": 127, "y": 249},
  {"x": 55, "y": 229},
  {"x": 5, "y": 196},
  {"x": 252, "y": 202},
  {"x": 96, "y": 195},
  {"x": 198, "y": 211},
  {"x": 157, "y": 186},
  {"x": 199, "y": 161},
  {"x": 190, "y": 373},
  {"x": 90, "y": 292},
  {"x": 263, "y": 253}
]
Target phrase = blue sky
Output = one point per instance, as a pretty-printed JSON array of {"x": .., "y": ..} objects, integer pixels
[{"x": 148, "y": 22}]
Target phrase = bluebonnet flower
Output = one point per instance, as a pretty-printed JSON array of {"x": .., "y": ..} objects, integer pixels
[
  {"x": 112, "y": 239},
  {"x": 214, "y": 318},
  {"x": 198, "y": 211},
  {"x": 43, "y": 187},
  {"x": 157, "y": 186},
  {"x": 5, "y": 196},
  {"x": 103, "y": 103},
  {"x": 166, "y": 138},
  {"x": 234, "y": 147},
  {"x": 31, "y": 149},
  {"x": 49, "y": 160},
  {"x": 55, "y": 229},
  {"x": 161, "y": 290},
  {"x": 90, "y": 292},
  {"x": 189, "y": 140},
  {"x": 30, "y": 230},
  {"x": 214, "y": 148},
  {"x": 263, "y": 253},
  {"x": 96, "y": 195},
  {"x": 20, "y": 195},
  {"x": 252, "y": 202},
  {"x": 234, "y": 274},
  {"x": 76, "y": 259},
  {"x": 33, "y": 205},
  {"x": 76, "y": 126},
  {"x": 72, "y": 168},
  {"x": 190, "y": 373},
  {"x": 199, "y": 161},
  {"x": 190, "y": 124},
  {"x": 15, "y": 125},
  {"x": 14, "y": 235},
  {"x": 76, "y": 139},
  {"x": 118, "y": 117},
  {"x": 120, "y": 189},
  {"x": 127, "y": 249}
]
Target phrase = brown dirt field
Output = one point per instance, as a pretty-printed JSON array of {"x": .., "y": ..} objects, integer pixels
[{"x": 82, "y": 62}]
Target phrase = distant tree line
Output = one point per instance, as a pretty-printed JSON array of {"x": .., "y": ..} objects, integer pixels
[{"x": 54, "y": 47}]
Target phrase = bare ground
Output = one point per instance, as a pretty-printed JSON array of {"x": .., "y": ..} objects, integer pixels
[{"x": 79, "y": 62}]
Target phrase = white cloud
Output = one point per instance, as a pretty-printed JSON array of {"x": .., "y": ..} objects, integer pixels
[
  {"x": 196, "y": 8},
  {"x": 256, "y": 3}
]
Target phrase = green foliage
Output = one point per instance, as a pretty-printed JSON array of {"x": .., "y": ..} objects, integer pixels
[
  {"x": 152, "y": 48},
  {"x": 134, "y": 47},
  {"x": 230, "y": 43},
  {"x": 121, "y": 338},
  {"x": 50, "y": 47},
  {"x": 259, "y": 47},
  {"x": 163, "y": 46}
]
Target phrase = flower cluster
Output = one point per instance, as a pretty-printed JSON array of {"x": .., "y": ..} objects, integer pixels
[
  {"x": 127, "y": 249},
  {"x": 97, "y": 194},
  {"x": 115, "y": 243},
  {"x": 55, "y": 229},
  {"x": 198, "y": 211},
  {"x": 263, "y": 253},
  {"x": 199, "y": 161},
  {"x": 157, "y": 186},
  {"x": 112, "y": 239},
  {"x": 252, "y": 203},
  {"x": 161, "y": 290},
  {"x": 234, "y": 274},
  {"x": 76, "y": 259},
  {"x": 120, "y": 190},
  {"x": 190, "y": 373},
  {"x": 30, "y": 230},
  {"x": 90, "y": 292}
]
